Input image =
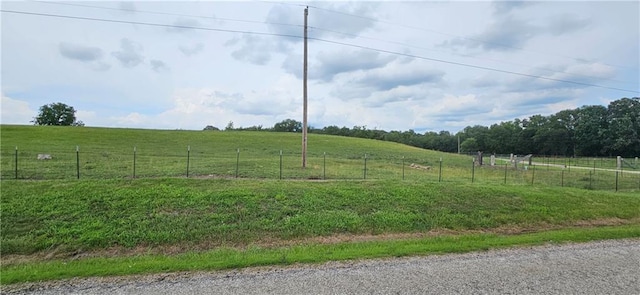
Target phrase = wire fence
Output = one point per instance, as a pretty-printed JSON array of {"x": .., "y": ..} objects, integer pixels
[{"x": 96, "y": 163}]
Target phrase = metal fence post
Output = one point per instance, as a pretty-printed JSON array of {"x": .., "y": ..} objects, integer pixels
[
  {"x": 365, "y": 166},
  {"x": 505, "y": 172},
  {"x": 16, "y": 162},
  {"x": 237, "y": 162},
  {"x": 78, "y": 161},
  {"x": 324, "y": 165},
  {"x": 440, "y": 171},
  {"x": 188, "y": 158},
  {"x": 280, "y": 164},
  {"x": 402, "y": 167},
  {"x": 473, "y": 170},
  {"x": 134, "y": 162},
  {"x": 533, "y": 173}
]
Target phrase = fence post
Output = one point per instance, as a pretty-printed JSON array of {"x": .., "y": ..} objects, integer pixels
[
  {"x": 237, "y": 162},
  {"x": 324, "y": 165},
  {"x": 365, "y": 166},
  {"x": 505, "y": 172},
  {"x": 440, "y": 171},
  {"x": 402, "y": 167},
  {"x": 78, "y": 161},
  {"x": 616, "y": 180},
  {"x": 16, "y": 162},
  {"x": 590, "y": 180},
  {"x": 473, "y": 170},
  {"x": 188, "y": 158},
  {"x": 562, "y": 178},
  {"x": 533, "y": 173},
  {"x": 280, "y": 164},
  {"x": 134, "y": 162}
]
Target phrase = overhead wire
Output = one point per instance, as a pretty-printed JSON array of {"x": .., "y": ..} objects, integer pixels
[
  {"x": 167, "y": 13},
  {"x": 456, "y": 36},
  {"x": 336, "y": 32},
  {"x": 320, "y": 40},
  {"x": 462, "y": 55}
]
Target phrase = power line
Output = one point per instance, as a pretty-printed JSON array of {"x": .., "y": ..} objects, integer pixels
[
  {"x": 168, "y": 13},
  {"x": 150, "y": 24},
  {"x": 456, "y": 36},
  {"x": 321, "y": 40},
  {"x": 462, "y": 55},
  {"x": 337, "y": 32},
  {"x": 472, "y": 66}
]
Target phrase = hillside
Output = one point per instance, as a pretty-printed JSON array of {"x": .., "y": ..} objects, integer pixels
[{"x": 108, "y": 153}]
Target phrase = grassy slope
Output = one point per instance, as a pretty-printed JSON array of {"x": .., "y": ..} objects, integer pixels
[{"x": 70, "y": 216}]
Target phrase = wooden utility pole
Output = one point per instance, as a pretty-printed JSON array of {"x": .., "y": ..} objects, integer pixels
[{"x": 304, "y": 94}]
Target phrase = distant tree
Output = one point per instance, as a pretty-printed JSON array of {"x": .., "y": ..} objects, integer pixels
[
  {"x": 58, "y": 114},
  {"x": 288, "y": 125},
  {"x": 211, "y": 128},
  {"x": 229, "y": 126},
  {"x": 591, "y": 130},
  {"x": 470, "y": 145},
  {"x": 624, "y": 127}
]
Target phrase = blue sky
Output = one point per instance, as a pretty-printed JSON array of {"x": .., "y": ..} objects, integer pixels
[{"x": 421, "y": 65}]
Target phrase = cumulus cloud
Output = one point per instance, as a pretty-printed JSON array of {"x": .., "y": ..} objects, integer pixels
[
  {"x": 129, "y": 55},
  {"x": 158, "y": 65},
  {"x": 16, "y": 111},
  {"x": 127, "y": 7},
  {"x": 256, "y": 49},
  {"x": 503, "y": 7},
  {"x": 192, "y": 49},
  {"x": 330, "y": 64},
  {"x": 183, "y": 25},
  {"x": 510, "y": 33},
  {"x": 331, "y": 18},
  {"x": 503, "y": 35},
  {"x": 80, "y": 52},
  {"x": 386, "y": 79},
  {"x": 580, "y": 76}
]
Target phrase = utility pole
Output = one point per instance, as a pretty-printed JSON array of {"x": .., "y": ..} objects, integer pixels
[{"x": 304, "y": 94}]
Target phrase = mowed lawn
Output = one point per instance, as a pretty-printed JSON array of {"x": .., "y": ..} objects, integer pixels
[{"x": 71, "y": 216}]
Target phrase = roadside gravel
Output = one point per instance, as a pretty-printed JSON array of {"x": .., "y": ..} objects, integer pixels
[{"x": 604, "y": 267}]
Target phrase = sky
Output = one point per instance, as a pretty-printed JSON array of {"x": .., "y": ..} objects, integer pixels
[{"x": 390, "y": 65}]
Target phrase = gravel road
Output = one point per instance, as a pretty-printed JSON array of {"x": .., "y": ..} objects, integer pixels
[{"x": 605, "y": 267}]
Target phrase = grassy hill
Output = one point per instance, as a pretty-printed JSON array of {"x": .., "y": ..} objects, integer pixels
[
  {"x": 257, "y": 219},
  {"x": 109, "y": 153},
  {"x": 106, "y": 153}
]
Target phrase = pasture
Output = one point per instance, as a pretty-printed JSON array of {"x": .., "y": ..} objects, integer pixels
[{"x": 57, "y": 226}]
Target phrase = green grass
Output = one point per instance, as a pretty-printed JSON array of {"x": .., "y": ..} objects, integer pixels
[
  {"x": 228, "y": 258},
  {"x": 49, "y": 212},
  {"x": 71, "y": 216},
  {"x": 106, "y": 153}
]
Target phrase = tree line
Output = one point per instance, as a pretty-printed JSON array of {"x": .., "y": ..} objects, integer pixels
[{"x": 592, "y": 130}]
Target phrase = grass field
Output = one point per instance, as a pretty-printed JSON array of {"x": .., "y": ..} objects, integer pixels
[
  {"x": 109, "y": 154},
  {"x": 49, "y": 225}
]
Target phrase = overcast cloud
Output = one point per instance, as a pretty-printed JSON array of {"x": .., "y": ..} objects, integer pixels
[{"x": 392, "y": 65}]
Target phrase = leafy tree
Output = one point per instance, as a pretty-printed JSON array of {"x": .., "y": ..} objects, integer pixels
[
  {"x": 211, "y": 128},
  {"x": 591, "y": 130},
  {"x": 288, "y": 125},
  {"x": 229, "y": 126},
  {"x": 469, "y": 145},
  {"x": 58, "y": 114},
  {"x": 624, "y": 127}
]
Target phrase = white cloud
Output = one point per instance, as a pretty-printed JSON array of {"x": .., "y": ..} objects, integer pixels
[
  {"x": 129, "y": 55},
  {"x": 16, "y": 111},
  {"x": 209, "y": 77}
]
